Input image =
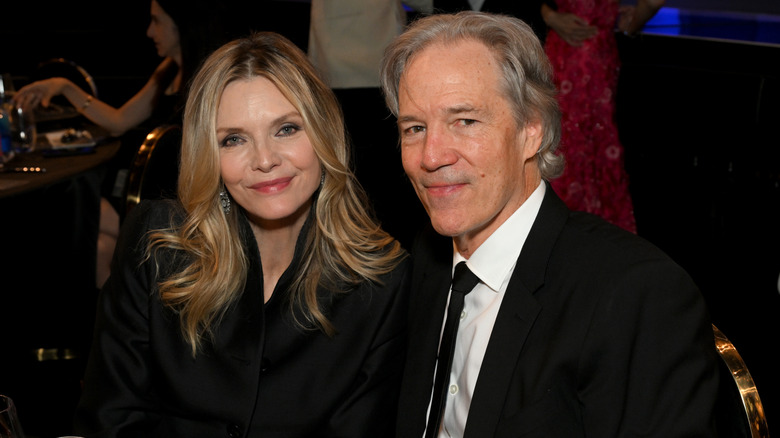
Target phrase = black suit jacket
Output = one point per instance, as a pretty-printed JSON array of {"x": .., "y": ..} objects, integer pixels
[
  {"x": 599, "y": 334},
  {"x": 261, "y": 375},
  {"x": 529, "y": 11}
]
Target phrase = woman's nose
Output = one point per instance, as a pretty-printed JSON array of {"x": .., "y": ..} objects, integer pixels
[{"x": 265, "y": 157}]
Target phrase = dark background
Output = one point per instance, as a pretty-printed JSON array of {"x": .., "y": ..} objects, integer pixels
[{"x": 697, "y": 117}]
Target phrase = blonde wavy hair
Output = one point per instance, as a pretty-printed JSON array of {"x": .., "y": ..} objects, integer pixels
[{"x": 343, "y": 247}]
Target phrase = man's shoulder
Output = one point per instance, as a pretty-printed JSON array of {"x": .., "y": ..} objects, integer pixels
[
  {"x": 431, "y": 253},
  {"x": 594, "y": 242}
]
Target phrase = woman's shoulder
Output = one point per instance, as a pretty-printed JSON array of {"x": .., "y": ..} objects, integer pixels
[
  {"x": 389, "y": 257},
  {"x": 141, "y": 223},
  {"x": 151, "y": 215},
  {"x": 383, "y": 301},
  {"x": 161, "y": 213},
  {"x": 395, "y": 272},
  {"x": 400, "y": 260}
]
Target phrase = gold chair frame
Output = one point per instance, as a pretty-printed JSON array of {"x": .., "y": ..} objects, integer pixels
[
  {"x": 137, "y": 174},
  {"x": 754, "y": 410},
  {"x": 86, "y": 77}
]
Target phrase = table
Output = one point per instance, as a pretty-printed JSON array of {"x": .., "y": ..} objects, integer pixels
[
  {"x": 48, "y": 237},
  {"x": 57, "y": 168},
  {"x": 48, "y": 242}
]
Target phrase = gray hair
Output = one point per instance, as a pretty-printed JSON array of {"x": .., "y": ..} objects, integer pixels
[{"x": 527, "y": 73}]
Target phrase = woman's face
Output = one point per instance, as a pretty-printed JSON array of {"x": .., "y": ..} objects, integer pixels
[
  {"x": 163, "y": 31},
  {"x": 267, "y": 161}
]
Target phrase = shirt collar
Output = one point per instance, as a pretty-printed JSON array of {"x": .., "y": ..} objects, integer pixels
[{"x": 495, "y": 259}]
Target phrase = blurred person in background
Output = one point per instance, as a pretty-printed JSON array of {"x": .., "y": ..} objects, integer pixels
[
  {"x": 583, "y": 50},
  {"x": 346, "y": 42},
  {"x": 184, "y": 33}
]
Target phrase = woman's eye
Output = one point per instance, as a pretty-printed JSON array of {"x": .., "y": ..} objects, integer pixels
[
  {"x": 230, "y": 140},
  {"x": 288, "y": 130}
]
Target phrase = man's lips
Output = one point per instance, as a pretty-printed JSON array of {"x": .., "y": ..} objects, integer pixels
[
  {"x": 443, "y": 188},
  {"x": 272, "y": 186}
]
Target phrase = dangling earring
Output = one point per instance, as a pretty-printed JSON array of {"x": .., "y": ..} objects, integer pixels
[
  {"x": 224, "y": 201},
  {"x": 322, "y": 179}
]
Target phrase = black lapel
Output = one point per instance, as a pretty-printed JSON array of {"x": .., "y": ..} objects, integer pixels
[{"x": 515, "y": 319}]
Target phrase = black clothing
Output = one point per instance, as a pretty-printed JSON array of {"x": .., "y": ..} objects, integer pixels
[{"x": 262, "y": 375}]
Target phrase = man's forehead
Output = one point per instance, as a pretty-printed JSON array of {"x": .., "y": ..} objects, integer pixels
[
  {"x": 448, "y": 48},
  {"x": 450, "y": 87}
]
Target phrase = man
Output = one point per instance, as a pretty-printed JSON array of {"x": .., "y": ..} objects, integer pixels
[{"x": 576, "y": 328}]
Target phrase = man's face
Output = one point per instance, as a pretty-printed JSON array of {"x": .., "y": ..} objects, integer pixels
[{"x": 469, "y": 162}]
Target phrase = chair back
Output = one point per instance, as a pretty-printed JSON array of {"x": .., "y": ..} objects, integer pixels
[
  {"x": 154, "y": 171},
  {"x": 60, "y": 108},
  {"x": 740, "y": 413},
  {"x": 61, "y": 67}
]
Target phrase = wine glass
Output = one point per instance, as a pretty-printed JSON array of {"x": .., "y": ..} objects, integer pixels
[
  {"x": 23, "y": 130},
  {"x": 9, "y": 421}
]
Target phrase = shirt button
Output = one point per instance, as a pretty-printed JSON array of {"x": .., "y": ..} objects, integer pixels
[
  {"x": 453, "y": 389},
  {"x": 463, "y": 314},
  {"x": 233, "y": 431}
]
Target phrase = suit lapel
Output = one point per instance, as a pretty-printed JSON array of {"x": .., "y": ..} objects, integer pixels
[
  {"x": 431, "y": 276},
  {"x": 243, "y": 327},
  {"x": 515, "y": 319}
]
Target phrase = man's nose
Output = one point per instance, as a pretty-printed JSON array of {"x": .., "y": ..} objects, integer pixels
[{"x": 438, "y": 148}]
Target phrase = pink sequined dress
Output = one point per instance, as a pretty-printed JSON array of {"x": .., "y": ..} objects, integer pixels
[{"x": 595, "y": 179}]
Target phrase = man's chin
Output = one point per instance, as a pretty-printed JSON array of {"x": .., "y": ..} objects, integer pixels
[{"x": 446, "y": 227}]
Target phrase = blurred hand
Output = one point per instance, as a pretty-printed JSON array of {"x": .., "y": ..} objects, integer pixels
[
  {"x": 572, "y": 28},
  {"x": 39, "y": 93},
  {"x": 625, "y": 18}
]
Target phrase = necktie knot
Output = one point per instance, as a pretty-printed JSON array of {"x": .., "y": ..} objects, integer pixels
[{"x": 463, "y": 280}]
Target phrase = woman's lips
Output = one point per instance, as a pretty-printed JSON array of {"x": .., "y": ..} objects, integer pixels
[{"x": 272, "y": 186}]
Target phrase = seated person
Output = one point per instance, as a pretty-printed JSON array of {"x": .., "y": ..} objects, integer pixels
[{"x": 265, "y": 300}]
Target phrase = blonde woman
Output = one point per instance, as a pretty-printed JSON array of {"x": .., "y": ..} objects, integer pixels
[{"x": 266, "y": 301}]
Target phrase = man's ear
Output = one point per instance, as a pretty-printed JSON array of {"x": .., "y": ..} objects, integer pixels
[{"x": 531, "y": 138}]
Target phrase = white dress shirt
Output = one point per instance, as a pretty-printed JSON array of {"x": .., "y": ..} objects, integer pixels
[{"x": 493, "y": 262}]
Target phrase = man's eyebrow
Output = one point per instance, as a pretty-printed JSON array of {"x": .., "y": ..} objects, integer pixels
[
  {"x": 403, "y": 119},
  {"x": 453, "y": 110},
  {"x": 464, "y": 108}
]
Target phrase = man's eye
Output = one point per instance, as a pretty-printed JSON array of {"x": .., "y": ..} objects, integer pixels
[
  {"x": 467, "y": 122},
  {"x": 414, "y": 129}
]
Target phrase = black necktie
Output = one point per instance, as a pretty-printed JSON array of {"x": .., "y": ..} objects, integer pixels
[{"x": 462, "y": 282}]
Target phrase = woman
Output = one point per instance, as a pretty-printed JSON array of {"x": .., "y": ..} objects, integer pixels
[
  {"x": 161, "y": 90},
  {"x": 266, "y": 300},
  {"x": 582, "y": 48},
  {"x": 183, "y": 33}
]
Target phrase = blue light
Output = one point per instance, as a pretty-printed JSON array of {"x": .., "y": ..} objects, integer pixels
[{"x": 756, "y": 28}]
